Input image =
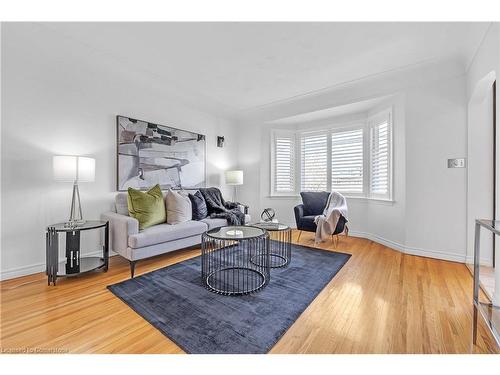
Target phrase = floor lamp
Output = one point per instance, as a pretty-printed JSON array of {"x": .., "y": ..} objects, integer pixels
[{"x": 234, "y": 178}]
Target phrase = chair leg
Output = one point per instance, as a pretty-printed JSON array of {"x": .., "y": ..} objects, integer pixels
[
  {"x": 132, "y": 268},
  {"x": 346, "y": 230},
  {"x": 298, "y": 238},
  {"x": 335, "y": 240}
]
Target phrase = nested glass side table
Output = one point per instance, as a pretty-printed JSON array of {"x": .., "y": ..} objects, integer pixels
[
  {"x": 280, "y": 244},
  {"x": 226, "y": 253},
  {"x": 487, "y": 302}
]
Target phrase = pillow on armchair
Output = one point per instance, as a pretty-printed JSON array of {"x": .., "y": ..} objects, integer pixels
[{"x": 314, "y": 202}]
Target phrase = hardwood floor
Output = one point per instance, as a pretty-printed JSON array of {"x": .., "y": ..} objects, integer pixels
[{"x": 381, "y": 301}]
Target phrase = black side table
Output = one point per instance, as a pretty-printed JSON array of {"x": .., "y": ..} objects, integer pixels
[
  {"x": 280, "y": 244},
  {"x": 75, "y": 264},
  {"x": 226, "y": 266}
]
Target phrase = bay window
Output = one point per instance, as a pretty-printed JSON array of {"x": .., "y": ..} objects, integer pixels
[
  {"x": 313, "y": 162},
  {"x": 283, "y": 163},
  {"x": 355, "y": 160},
  {"x": 380, "y": 156}
]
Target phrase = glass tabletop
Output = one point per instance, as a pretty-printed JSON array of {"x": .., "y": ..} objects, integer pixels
[
  {"x": 271, "y": 226},
  {"x": 235, "y": 232},
  {"x": 88, "y": 224}
]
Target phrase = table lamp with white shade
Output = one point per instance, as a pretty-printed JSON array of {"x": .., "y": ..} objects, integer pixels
[
  {"x": 74, "y": 169},
  {"x": 234, "y": 178}
]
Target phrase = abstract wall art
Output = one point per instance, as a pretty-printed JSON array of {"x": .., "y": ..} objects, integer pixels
[{"x": 150, "y": 154}]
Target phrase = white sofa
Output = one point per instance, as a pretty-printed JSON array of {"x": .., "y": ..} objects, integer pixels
[{"x": 128, "y": 241}]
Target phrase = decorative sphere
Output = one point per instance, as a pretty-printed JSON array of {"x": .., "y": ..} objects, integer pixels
[{"x": 268, "y": 214}]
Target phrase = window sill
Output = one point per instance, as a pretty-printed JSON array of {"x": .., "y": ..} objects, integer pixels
[
  {"x": 290, "y": 196},
  {"x": 388, "y": 202}
]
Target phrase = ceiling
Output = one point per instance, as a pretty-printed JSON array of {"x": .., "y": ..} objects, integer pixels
[{"x": 246, "y": 65}]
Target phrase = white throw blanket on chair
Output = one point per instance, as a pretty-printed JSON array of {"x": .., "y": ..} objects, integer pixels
[{"x": 326, "y": 223}]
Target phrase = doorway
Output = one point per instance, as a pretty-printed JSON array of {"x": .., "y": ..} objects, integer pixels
[{"x": 482, "y": 174}]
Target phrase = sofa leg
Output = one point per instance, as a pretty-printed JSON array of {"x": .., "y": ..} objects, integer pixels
[
  {"x": 132, "y": 268},
  {"x": 298, "y": 238}
]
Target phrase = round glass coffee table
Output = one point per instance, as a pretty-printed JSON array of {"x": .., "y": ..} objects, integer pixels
[
  {"x": 226, "y": 259},
  {"x": 280, "y": 244}
]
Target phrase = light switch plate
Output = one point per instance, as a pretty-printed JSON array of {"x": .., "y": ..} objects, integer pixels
[{"x": 456, "y": 163}]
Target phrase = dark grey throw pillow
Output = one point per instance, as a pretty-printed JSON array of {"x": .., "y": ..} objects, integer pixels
[{"x": 199, "y": 206}]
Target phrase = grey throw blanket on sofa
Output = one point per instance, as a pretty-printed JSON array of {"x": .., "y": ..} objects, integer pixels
[{"x": 218, "y": 208}]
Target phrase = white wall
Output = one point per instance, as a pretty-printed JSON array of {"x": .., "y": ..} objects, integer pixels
[
  {"x": 483, "y": 70},
  {"x": 436, "y": 126},
  {"x": 428, "y": 215},
  {"x": 480, "y": 167},
  {"x": 486, "y": 59},
  {"x": 61, "y": 97}
]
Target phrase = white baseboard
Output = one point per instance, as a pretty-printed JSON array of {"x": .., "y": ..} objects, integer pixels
[
  {"x": 483, "y": 261},
  {"x": 22, "y": 271},
  {"x": 39, "y": 267},
  {"x": 378, "y": 239},
  {"x": 436, "y": 254},
  {"x": 443, "y": 255}
]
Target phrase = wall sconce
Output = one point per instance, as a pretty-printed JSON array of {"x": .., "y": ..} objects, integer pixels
[{"x": 220, "y": 141}]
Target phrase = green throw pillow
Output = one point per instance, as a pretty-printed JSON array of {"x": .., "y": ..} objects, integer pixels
[{"x": 147, "y": 207}]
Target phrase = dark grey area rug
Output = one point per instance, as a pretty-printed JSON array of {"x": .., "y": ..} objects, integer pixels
[{"x": 174, "y": 301}]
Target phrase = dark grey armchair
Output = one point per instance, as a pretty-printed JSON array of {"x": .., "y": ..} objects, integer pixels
[{"x": 313, "y": 204}]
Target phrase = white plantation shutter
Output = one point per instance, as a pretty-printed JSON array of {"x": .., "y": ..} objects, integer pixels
[
  {"x": 314, "y": 163},
  {"x": 380, "y": 157},
  {"x": 355, "y": 160},
  {"x": 347, "y": 161},
  {"x": 284, "y": 163}
]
